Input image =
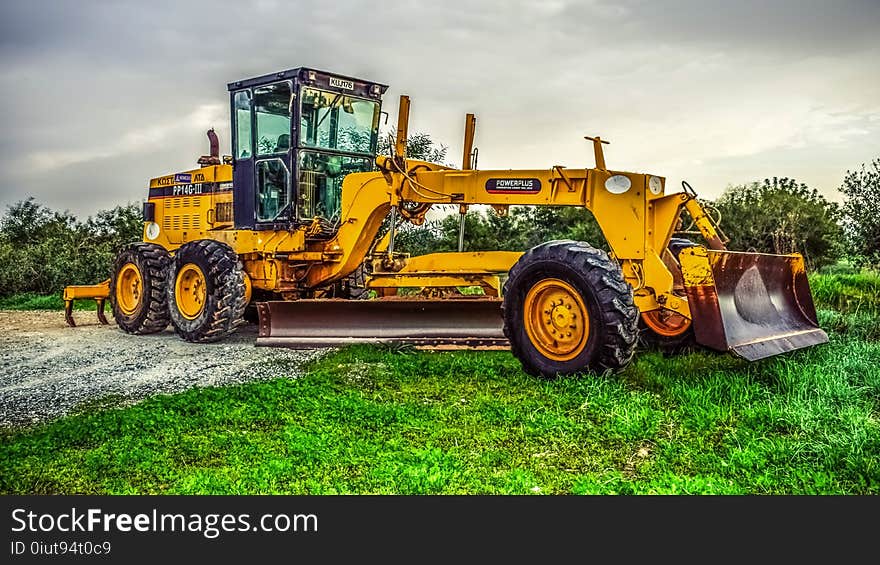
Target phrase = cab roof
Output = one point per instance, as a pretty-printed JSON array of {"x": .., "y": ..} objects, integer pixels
[{"x": 301, "y": 73}]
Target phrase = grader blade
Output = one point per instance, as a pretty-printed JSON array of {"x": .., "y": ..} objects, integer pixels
[
  {"x": 755, "y": 305},
  {"x": 431, "y": 324}
]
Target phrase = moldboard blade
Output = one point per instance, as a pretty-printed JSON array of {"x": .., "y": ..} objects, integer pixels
[{"x": 447, "y": 323}]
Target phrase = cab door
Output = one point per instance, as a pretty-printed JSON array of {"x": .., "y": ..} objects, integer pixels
[
  {"x": 272, "y": 105},
  {"x": 243, "y": 159}
]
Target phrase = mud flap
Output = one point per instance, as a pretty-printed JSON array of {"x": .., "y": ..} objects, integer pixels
[
  {"x": 755, "y": 305},
  {"x": 432, "y": 324}
]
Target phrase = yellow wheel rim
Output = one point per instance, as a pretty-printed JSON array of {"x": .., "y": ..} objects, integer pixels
[
  {"x": 248, "y": 289},
  {"x": 190, "y": 291},
  {"x": 556, "y": 320},
  {"x": 666, "y": 322},
  {"x": 129, "y": 288}
]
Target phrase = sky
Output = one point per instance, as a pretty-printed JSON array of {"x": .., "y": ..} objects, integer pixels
[{"x": 100, "y": 96}]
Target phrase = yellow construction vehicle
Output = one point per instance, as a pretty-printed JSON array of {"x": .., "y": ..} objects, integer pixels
[{"x": 290, "y": 222}]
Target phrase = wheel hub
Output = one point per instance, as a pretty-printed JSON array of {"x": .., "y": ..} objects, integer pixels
[
  {"x": 556, "y": 319},
  {"x": 129, "y": 288},
  {"x": 190, "y": 291},
  {"x": 666, "y": 322}
]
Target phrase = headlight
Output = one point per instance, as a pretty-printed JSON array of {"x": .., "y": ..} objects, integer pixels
[
  {"x": 618, "y": 184},
  {"x": 655, "y": 184}
]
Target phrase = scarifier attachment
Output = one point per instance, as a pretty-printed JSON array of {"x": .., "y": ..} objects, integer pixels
[
  {"x": 755, "y": 305},
  {"x": 434, "y": 324},
  {"x": 98, "y": 292}
]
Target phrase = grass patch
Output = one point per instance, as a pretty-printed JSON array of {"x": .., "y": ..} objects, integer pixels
[
  {"x": 845, "y": 293},
  {"x": 32, "y": 301},
  {"x": 385, "y": 420},
  {"x": 395, "y": 420}
]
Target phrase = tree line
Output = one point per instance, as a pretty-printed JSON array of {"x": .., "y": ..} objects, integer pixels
[{"x": 43, "y": 250}]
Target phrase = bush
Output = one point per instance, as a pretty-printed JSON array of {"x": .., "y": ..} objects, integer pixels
[
  {"x": 522, "y": 228},
  {"x": 44, "y": 250},
  {"x": 861, "y": 210},
  {"x": 781, "y": 216}
]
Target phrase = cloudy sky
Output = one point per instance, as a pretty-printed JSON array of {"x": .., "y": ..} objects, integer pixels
[{"x": 102, "y": 95}]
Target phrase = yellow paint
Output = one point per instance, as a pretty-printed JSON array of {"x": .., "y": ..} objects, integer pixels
[
  {"x": 636, "y": 222},
  {"x": 462, "y": 262},
  {"x": 76, "y": 292},
  {"x": 190, "y": 291},
  {"x": 129, "y": 288},
  {"x": 704, "y": 224},
  {"x": 248, "y": 289},
  {"x": 556, "y": 319},
  {"x": 403, "y": 280},
  {"x": 696, "y": 270}
]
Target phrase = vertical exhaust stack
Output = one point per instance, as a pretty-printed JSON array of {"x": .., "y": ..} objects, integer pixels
[{"x": 214, "y": 148}]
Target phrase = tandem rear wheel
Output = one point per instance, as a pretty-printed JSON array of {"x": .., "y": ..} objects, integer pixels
[
  {"x": 137, "y": 288},
  {"x": 206, "y": 291},
  {"x": 567, "y": 309}
]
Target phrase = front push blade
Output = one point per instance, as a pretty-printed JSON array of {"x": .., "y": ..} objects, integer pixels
[{"x": 755, "y": 305}]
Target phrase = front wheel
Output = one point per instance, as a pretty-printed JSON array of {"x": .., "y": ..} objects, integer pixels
[
  {"x": 664, "y": 329},
  {"x": 207, "y": 292},
  {"x": 567, "y": 309}
]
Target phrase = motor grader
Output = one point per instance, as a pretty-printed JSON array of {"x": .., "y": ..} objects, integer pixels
[{"x": 290, "y": 224}]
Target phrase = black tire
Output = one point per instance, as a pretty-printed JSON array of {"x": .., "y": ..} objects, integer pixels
[
  {"x": 648, "y": 338},
  {"x": 251, "y": 316},
  {"x": 613, "y": 317},
  {"x": 151, "y": 314},
  {"x": 223, "y": 309},
  {"x": 356, "y": 283}
]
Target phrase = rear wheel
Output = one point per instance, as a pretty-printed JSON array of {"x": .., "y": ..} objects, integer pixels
[
  {"x": 207, "y": 292},
  {"x": 137, "y": 288},
  {"x": 352, "y": 287},
  {"x": 356, "y": 283},
  {"x": 568, "y": 309}
]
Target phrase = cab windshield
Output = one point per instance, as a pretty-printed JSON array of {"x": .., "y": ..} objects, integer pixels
[{"x": 333, "y": 120}]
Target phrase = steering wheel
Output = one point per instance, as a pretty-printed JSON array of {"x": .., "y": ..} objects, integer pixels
[{"x": 688, "y": 189}]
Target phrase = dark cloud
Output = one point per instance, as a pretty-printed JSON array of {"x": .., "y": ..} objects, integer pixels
[
  {"x": 805, "y": 26},
  {"x": 101, "y": 95}
]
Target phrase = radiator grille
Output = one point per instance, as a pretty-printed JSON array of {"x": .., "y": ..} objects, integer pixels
[
  {"x": 182, "y": 214},
  {"x": 224, "y": 212}
]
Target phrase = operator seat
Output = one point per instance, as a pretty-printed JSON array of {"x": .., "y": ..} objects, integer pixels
[{"x": 282, "y": 144}]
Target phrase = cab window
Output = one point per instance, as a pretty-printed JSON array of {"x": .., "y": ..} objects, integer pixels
[
  {"x": 272, "y": 112},
  {"x": 320, "y": 183},
  {"x": 242, "y": 105},
  {"x": 332, "y": 120},
  {"x": 273, "y": 180}
]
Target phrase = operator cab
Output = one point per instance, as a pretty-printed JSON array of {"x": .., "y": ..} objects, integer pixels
[{"x": 295, "y": 135}]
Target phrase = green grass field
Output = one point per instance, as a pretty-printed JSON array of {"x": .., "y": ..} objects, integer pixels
[
  {"x": 31, "y": 301},
  {"x": 384, "y": 420}
]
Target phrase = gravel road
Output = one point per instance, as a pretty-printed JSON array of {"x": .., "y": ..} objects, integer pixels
[{"x": 48, "y": 370}]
